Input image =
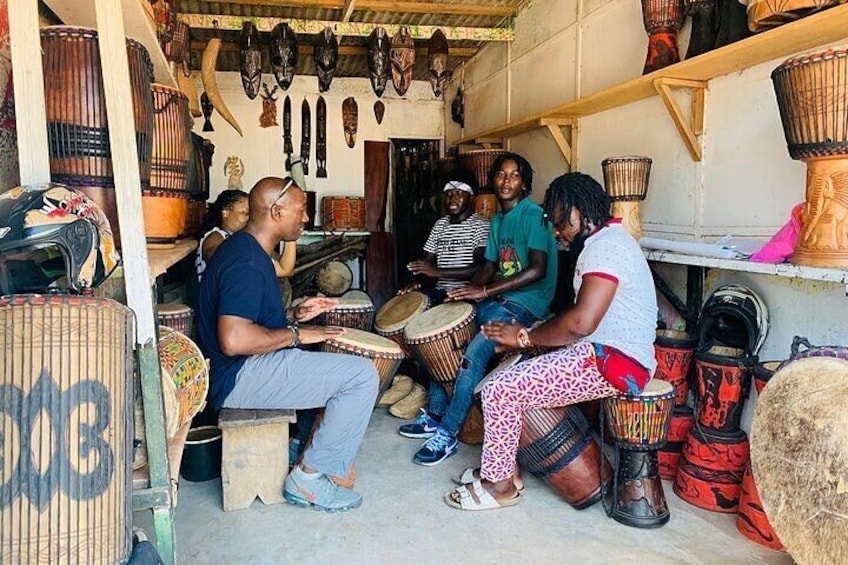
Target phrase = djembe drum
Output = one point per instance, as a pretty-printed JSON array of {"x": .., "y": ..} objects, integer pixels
[
  {"x": 180, "y": 357},
  {"x": 662, "y": 19},
  {"x": 437, "y": 338},
  {"x": 77, "y": 125},
  {"x": 812, "y": 94},
  {"x": 165, "y": 204},
  {"x": 626, "y": 181},
  {"x": 385, "y": 353},
  {"x": 66, "y": 429},
  {"x": 356, "y": 313},
  {"x": 639, "y": 425},
  {"x": 766, "y": 14},
  {"x": 177, "y": 316},
  {"x": 334, "y": 278},
  {"x": 479, "y": 162},
  {"x": 397, "y": 313},
  {"x": 800, "y": 459},
  {"x": 704, "y": 27}
]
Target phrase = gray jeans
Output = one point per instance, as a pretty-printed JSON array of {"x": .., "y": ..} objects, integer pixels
[{"x": 295, "y": 379}]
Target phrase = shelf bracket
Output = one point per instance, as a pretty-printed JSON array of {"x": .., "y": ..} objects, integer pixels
[
  {"x": 690, "y": 130},
  {"x": 566, "y": 147}
]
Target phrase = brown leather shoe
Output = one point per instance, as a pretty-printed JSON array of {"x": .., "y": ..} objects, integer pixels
[
  {"x": 401, "y": 386},
  {"x": 407, "y": 408}
]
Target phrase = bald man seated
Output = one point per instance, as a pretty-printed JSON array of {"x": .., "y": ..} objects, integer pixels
[{"x": 252, "y": 343}]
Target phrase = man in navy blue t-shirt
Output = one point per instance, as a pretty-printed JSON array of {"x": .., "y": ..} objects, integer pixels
[{"x": 251, "y": 341}]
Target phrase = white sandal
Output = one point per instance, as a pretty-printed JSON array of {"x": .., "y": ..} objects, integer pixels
[
  {"x": 468, "y": 477},
  {"x": 477, "y": 498}
]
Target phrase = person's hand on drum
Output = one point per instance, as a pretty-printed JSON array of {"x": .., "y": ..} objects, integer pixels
[
  {"x": 504, "y": 334},
  {"x": 409, "y": 288},
  {"x": 470, "y": 292},
  {"x": 319, "y": 334},
  {"x": 313, "y": 306},
  {"x": 423, "y": 268}
]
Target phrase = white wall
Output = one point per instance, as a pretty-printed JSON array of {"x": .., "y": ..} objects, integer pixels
[
  {"x": 745, "y": 185},
  {"x": 418, "y": 115}
]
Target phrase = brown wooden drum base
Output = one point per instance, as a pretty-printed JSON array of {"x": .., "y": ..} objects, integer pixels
[
  {"x": 630, "y": 218},
  {"x": 823, "y": 241},
  {"x": 164, "y": 218},
  {"x": 639, "y": 500},
  {"x": 710, "y": 471},
  {"x": 662, "y": 51},
  {"x": 752, "y": 521},
  {"x": 471, "y": 432}
]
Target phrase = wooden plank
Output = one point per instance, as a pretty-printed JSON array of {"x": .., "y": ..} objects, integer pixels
[
  {"x": 245, "y": 417},
  {"x": 30, "y": 115},
  {"x": 360, "y": 29},
  {"x": 160, "y": 260},
  {"x": 388, "y": 6},
  {"x": 137, "y": 25},
  {"x": 354, "y": 50},
  {"x": 809, "y": 32},
  {"x": 347, "y": 9},
  {"x": 684, "y": 127},
  {"x": 560, "y": 141}
]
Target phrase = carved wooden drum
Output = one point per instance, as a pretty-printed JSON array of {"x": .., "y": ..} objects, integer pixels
[
  {"x": 66, "y": 428},
  {"x": 397, "y": 313},
  {"x": 765, "y": 14},
  {"x": 177, "y": 316},
  {"x": 334, "y": 278},
  {"x": 626, "y": 181},
  {"x": 479, "y": 162},
  {"x": 385, "y": 353},
  {"x": 674, "y": 351},
  {"x": 357, "y": 313},
  {"x": 182, "y": 359},
  {"x": 662, "y": 19},
  {"x": 438, "y": 338}
]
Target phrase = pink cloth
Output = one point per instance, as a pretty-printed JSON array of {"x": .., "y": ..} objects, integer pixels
[{"x": 782, "y": 244}]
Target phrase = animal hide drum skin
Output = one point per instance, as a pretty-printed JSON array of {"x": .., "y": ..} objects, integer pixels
[
  {"x": 326, "y": 56},
  {"x": 250, "y": 60},
  {"x": 437, "y": 61},
  {"x": 379, "y": 62},
  {"x": 321, "y": 138},
  {"x": 402, "y": 55},
  {"x": 350, "y": 116},
  {"x": 283, "y": 50}
]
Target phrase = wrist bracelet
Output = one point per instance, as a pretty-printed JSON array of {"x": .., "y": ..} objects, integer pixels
[
  {"x": 485, "y": 292},
  {"x": 295, "y": 337},
  {"x": 523, "y": 338}
]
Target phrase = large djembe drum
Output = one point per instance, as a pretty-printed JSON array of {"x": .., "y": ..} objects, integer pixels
[
  {"x": 799, "y": 452},
  {"x": 766, "y": 14},
  {"x": 479, "y": 162},
  {"x": 397, "y": 313},
  {"x": 662, "y": 19},
  {"x": 626, "y": 181},
  {"x": 77, "y": 125},
  {"x": 384, "y": 353},
  {"x": 66, "y": 399},
  {"x": 812, "y": 94},
  {"x": 165, "y": 204}
]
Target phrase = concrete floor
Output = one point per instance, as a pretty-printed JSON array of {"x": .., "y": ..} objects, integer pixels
[{"x": 404, "y": 519}]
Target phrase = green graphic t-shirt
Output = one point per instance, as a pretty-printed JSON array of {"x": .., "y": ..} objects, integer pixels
[{"x": 511, "y": 238}]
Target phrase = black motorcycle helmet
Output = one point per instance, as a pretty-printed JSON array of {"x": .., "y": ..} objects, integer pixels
[
  {"x": 733, "y": 316},
  {"x": 53, "y": 238}
]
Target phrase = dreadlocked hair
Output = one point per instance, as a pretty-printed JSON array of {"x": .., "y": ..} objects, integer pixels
[
  {"x": 524, "y": 169},
  {"x": 578, "y": 190},
  {"x": 225, "y": 201}
]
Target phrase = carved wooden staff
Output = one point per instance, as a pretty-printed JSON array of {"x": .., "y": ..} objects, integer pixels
[
  {"x": 287, "y": 137},
  {"x": 321, "y": 138},
  {"x": 305, "y": 133}
]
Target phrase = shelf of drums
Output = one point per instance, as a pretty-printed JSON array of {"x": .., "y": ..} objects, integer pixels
[{"x": 138, "y": 25}]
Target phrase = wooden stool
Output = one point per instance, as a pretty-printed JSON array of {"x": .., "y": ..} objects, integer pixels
[{"x": 255, "y": 455}]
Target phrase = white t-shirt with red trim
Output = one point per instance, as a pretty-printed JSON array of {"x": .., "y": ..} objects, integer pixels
[{"x": 631, "y": 321}]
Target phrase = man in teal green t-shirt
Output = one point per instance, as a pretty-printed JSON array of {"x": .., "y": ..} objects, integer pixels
[{"x": 517, "y": 282}]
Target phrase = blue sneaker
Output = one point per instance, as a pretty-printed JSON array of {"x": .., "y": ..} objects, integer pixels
[
  {"x": 422, "y": 428},
  {"x": 321, "y": 493},
  {"x": 436, "y": 449}
]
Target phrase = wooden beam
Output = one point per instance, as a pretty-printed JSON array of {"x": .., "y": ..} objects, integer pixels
[
  {"x": 359, "y": 29},
  {"x": 684, "y": 128},
  {"x": 347, "y": 10},
  {"x": 566, "y": 148},
  {"x": 388, "y": 6},
  {"x": 460, "y": 52},
  {"x": 30, "y": 113}
]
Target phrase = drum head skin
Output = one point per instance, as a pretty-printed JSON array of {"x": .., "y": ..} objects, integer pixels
[
  {"x": 358, "y": 295},
  {"x": 367, "y": 341},
  {"x": 334, "y": 278},
  {"x": 399, "y": 311},
  {"x": 657, "y": 387},
  {"x": 436, "y": 320},
  {"x": 799, "y": 454},
  {"x": 353, "y": 304},
  {"x": 172, "y": 309}
]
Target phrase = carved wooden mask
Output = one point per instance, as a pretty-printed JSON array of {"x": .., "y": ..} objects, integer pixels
[
  {"x": 283, "y": 50},
  {"x": 326, "y": 56},
  {"x": 350, "y": 116},
  {"x": 250, "y": 60},
  {"x": 379, "y": 111},
  {"x": 437, "y": 61},
  {"x": 402, "y": 55},
  {"x": 379, "y": 62}
]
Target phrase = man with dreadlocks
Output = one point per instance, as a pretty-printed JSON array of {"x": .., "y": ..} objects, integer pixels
[
  {"x": 605, "y": 339},
  {"x": 516, "y": 282}
]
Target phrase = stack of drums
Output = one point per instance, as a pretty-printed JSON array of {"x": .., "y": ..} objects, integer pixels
[
  {"x": 385, "y": 353},
  {"x": 639, "y": 425},
  {"x": 438, "y": 338},
  {"x": 198, "y": 187},
  {"x": 626, "y": 181},
  {"x": 675, "y": 351},
  {"x": 716, "y": 452},
  {"x": 77, "y": 125},
  {"x": 353, "y": 312},
  {"x": 67, "y": 429},
  {"x": 397, "y": 313},
  {"x": 480, "y": 163},
  {"x": 165, "y": 203}
]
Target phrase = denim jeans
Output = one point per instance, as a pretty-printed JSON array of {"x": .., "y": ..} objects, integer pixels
[{"x": 477, "y": 355}]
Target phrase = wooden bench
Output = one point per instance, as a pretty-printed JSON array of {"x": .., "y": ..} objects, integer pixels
[{"x": 255, "y": 455}]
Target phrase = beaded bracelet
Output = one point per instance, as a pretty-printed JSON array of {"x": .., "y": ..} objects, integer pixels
[{"x": 295, "y": 338}]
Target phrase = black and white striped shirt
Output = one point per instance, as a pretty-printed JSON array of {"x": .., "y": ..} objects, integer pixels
[{"x": 454, "y": 245}]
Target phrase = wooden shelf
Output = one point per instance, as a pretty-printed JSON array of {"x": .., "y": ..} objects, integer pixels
[
  {"x": 161, "y": 259},
  {"x": 781, "y": 270},
  {"x": 137, "y": 23},
  {"x": 807, "y": 33}
]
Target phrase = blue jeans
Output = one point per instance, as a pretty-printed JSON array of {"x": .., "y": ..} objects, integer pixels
[{"x": 477, "y": 355}]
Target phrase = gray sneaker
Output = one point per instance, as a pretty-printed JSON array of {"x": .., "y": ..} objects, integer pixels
[{"x": 320, "y": 493}]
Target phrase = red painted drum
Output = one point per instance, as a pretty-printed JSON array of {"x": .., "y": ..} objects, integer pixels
[
  {"x": 763, "y": 373},
  {"x": 710, "y": 472},
  {"x": 678, "y": 431},
  {"x": 662, "y": 19},
  {"x": 752, "y": 521},
  {"x": 723, "y": 383},
  {"x": 674, "y": 351},
  {"x": 557, "y": 446}
]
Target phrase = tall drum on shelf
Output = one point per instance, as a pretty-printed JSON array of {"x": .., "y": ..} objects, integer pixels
[
  {"x": 77, "y": 125},
  {"x": 165, "y": 204},
  {"x": 626, "y": 180},
  {"x": 66, "y": 410},
  {"x": 480, "y": 162},
  {"x": 812, "y": 94}
]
